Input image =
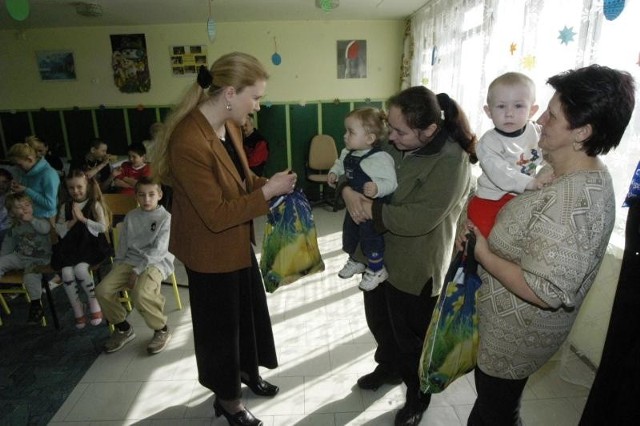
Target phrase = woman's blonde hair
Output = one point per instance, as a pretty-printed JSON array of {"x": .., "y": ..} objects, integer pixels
[
  {"x": 21, "y": 151},
  {"x": 236, "y": 69}
]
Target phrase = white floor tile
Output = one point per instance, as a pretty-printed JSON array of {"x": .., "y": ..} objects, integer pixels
[{"x": 323, "y": 346}]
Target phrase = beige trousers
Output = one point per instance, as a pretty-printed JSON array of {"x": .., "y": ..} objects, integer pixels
[{"x": 146, "y": 295}]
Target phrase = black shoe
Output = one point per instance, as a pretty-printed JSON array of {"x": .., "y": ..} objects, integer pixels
[
  {"x": 410, "y": 414},
  {"x": 377, "y": 378},
  {"x": 35, "y": 313},
  {"x": 241, "y": 418},
  {"x": 261, "y": 387}
]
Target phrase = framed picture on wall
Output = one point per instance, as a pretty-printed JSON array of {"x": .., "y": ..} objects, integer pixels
[
  {"x": 352, "y": 58},
  {"x": 185, "y": 60},
  {"x": 56, "y": 65}
]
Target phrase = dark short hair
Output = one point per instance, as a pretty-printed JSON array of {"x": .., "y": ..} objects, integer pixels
[
  {"x": 598, "y": 96},
  {"x": 138, "y": 148},
  {"x": 96, "y": 142}
]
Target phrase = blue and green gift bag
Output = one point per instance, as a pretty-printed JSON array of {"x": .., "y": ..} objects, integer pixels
[
  {"x": 451, "y": 343},
  {"x": 290, "y": 245}
]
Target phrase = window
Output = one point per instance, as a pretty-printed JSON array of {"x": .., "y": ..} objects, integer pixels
[{"x": 461, "y": 45}]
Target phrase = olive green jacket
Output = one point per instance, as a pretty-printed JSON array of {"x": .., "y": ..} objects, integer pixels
[{"x": 420, "y": 221}]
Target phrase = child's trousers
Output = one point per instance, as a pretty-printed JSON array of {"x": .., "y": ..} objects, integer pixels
[
  {"x": 146, "y": 295},
  {"x": 32, "y": 281}
]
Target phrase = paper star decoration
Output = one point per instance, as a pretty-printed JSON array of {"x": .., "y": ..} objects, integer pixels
[
  {"x": 529, "y": 62},
  {"x": 512, "y": 48},
  {"x": 566, "y": 35}
]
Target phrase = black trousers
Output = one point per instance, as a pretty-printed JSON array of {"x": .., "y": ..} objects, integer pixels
[
  {"x": 399, "y": 322},
  {"x": 231, "y": 328},
  {"x": 498, "y": 402}
]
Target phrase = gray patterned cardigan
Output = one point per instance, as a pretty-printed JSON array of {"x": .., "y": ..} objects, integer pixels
[{"x": 558, "y": 235}]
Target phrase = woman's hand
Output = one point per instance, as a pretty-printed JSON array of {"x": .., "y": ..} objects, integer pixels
[
  {"x": 482, "y": 245},
  {"x": 358, "y": 206},
  {"x": 279, "y": 184}
]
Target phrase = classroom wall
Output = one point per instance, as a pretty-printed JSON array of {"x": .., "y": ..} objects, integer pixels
[
  {"x": 307, "y": 72},
  {"x": 304, "y": 96}
]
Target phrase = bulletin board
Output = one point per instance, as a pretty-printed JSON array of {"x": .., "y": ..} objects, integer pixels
[{"x": 185, "y": 60}]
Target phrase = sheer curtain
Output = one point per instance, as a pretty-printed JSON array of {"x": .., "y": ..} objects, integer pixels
[{"x": 459, "y": 46}]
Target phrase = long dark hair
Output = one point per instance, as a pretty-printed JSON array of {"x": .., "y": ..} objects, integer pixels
[{"x": 421, "y": 108}]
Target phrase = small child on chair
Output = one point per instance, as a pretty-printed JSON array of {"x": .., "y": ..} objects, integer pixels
[
  {"x": 142, "y": 261},
  {"x": 82, "y": 225},
  {"x": 27, "y": 245}
]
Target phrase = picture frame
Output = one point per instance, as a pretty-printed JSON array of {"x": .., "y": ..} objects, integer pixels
[
  {"x": 56, "y": 65},
  {"x": 351, "y": 58},
  {"x": 185, "y": 60}
]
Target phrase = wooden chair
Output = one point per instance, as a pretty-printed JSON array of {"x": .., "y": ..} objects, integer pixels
[{"x": 120, "y": 205}]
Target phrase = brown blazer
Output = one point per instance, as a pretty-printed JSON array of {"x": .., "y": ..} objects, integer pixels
[{"x": 212, "y": 210}]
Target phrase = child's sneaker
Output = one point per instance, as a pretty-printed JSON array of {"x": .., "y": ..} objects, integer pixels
[
  {"x": 159, "y": 341},
  {"x": 118, "y": 339},
  {"x": 351, "y": 268},
  {"x": 371, "y": 279},
  {"x": 36, "y": 313}
]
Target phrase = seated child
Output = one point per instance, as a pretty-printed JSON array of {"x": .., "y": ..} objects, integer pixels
[
  {"x": 509, "y": 153},
  {"x": 141, "y": 262},
  {"x": 82, "y": 225},
  {"x": 5, "y": 184},
  {"x": 126, "y": 176},
  {"x": 370, "y": 171},
  {"x": 26, "y": 246}
]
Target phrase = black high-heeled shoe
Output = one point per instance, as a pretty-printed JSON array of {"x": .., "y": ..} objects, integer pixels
[
  {"x": 241, "y": 418},
  {"x": 260, "y": 386}
]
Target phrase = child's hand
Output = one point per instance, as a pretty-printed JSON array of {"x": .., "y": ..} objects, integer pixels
[
  {"x": 332, "y": 179},
  {"x": 541, "y": 180},
  {"x": 17, "y": 186},
  {"x": 77, "y": 214},
  {"x": 370, "y": 189},
  {"x": 116, "y": 172},
  {"x": 133, "y": 277}
]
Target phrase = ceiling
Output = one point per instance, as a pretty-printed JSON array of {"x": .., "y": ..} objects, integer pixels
[{"x": 62, "y": 13}]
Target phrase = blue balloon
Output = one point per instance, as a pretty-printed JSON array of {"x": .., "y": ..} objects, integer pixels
[{"x": 276, "y": 59}]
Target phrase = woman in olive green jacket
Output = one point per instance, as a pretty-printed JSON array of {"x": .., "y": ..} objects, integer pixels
[{"x": 431, "y": 144}]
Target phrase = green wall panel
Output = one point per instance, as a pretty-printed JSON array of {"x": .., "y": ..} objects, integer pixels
[
  {"x": 303, "y": 126},
  {"x": 112, "y": 129},
  {"x": 48, "y": 127},
  {"x": 79, "y": 125},
  {"x": 272, "y": 124},
  {"x": 15, "y": 127},
  {"x": 139, "y": 123},
  {"x": 333, "y": 115}
]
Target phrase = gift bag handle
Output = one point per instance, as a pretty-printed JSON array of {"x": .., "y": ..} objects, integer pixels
[{"x": 471, "y": 264}]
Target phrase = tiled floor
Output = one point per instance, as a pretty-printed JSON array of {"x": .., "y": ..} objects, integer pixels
[{"x": 323, "y": 346}]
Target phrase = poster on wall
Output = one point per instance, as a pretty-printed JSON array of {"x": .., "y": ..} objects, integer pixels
[
  {"x": 56, "y": 65},
  {"x": 185, "y": 60},
  {"x": 352, "y": 58},
  {"x": 130, "y": 64}
]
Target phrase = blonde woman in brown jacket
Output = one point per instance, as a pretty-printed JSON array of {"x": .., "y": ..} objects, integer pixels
[{"x": 215, "y": 199}]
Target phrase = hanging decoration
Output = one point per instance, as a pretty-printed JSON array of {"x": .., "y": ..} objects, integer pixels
[
  {"x": 512, "y": 48},
  {"x": 566, "y": 35},
  {"x": 18, "y": 9},
  {"x": 211, "y": 25},
  {"x": 529, "y": 62},
  {"x": 613, "y": 8},
  {"x": 275, "y": 58}
]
